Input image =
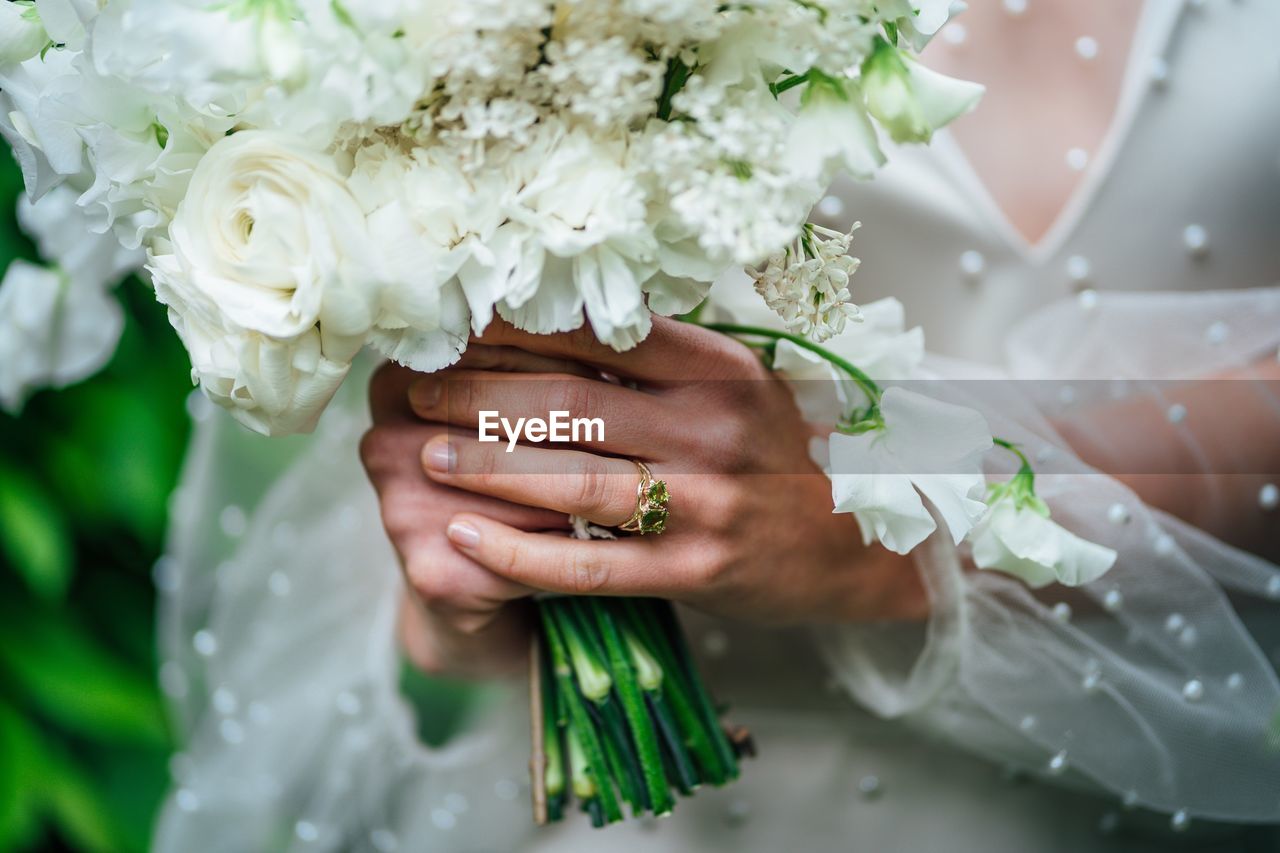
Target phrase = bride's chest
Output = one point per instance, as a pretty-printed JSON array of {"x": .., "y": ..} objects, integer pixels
[{"x": 1184, "y": 194}]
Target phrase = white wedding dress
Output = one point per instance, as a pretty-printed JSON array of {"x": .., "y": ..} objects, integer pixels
[{"x": 1140, "y": 720}]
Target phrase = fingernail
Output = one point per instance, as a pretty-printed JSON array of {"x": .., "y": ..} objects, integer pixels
[
  {"x": 441, "y": 457},
  {"x": 463, "y": 535},
  {"x": 425, "y": 393}
]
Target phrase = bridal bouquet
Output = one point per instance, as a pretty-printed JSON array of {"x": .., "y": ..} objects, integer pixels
[{"x": 306, "y": 178}]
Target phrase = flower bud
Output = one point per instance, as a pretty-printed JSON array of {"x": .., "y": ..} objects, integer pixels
[{"x": 909, "y": 100}]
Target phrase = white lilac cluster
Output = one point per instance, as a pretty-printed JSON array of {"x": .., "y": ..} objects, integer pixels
[
  {"x": 308, "y": 177},
  {"x": 807, "y": 283}
]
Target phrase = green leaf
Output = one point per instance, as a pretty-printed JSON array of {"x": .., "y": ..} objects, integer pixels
[
  {"x": 76, "y": 684},
  {"x": 19, "y": 805},
  {"x": 73, "y": 803},
  {"x": 34, "y": 535}
]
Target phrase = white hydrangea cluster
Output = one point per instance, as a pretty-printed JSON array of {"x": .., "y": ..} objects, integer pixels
[{"x": 308, "y": 177}]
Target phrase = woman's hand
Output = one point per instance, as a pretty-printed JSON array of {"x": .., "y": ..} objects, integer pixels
[
  {"x": 459, "y": 618},
  {"x": 751, "y": 533}
]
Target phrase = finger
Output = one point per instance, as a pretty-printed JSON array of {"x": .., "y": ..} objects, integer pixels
[
  {"x": 388, "y": 393},
  {"x": 601, "y": 489},
  {"x": 514, "y": 360},
  {"x": 559, "y": 564},
  {"x": 450, "y": 583},
  {"x": 673, "y": 352},
  {"x": 412, "y": 504},
  {"x": 624, "y": 420}
]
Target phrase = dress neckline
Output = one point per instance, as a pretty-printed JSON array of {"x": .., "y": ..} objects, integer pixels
[{"x": 1150, "y": 38}]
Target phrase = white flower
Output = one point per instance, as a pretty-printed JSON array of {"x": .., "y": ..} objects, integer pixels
[
  {"x": 22, "y": 34},
  {"x": 919, "y": 20},
  {"x": 269, "y": 234},
  {"x": 909, "y": 100},
  {"x": 881, "y": 345},
  {"x": 833, "y": 130},
  {"x": 62, "y": 233},
  {"x": 926, "y": 449},
  {"x": 269, "y": 279},
  {"x": 1019, "y": 538},
  {"x": 807, "y": 284},
  {"x": 54, "y": 330}
]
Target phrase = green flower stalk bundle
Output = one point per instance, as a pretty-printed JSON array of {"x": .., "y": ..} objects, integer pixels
[{"x": 622, "y": 718}]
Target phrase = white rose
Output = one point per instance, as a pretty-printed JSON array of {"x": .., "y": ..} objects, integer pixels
[
  {"x": 1025, "y": 543},
  {"x": 269, "y": 277},
  {"x": 926, "y": 448},
  {"x": 54, "y": 330},
  {"x": 22, "y": 34}
]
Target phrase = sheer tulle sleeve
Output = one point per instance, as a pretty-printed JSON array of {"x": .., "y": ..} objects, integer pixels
[
  {"x": 1152, "y": 683},
  {"x": 280, "y": 596}
]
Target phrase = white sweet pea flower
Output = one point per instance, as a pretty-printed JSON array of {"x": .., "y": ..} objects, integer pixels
[
  {"x": 1017, "y": 536},
  {"x": 833, "y": 130},
  {"x": 22, "y": 35},
  {"x": 909, "y": 100},
  {"x": 918, "y": 21},
  {"x": 823, "y": 394},
  {"x": 54, "y": 330},
  {"x": 269, "y": 279},
  {"x": 925, "y": 449}
]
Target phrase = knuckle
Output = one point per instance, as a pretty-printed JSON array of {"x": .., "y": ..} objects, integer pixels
[
  {"x": 372, "y": 448},
  {"x": 590, "y": 492},
  {"x": 575, "y": 397},
  {"x": 587, "y": 573},
  {"x": 435, "y": 587},
  {"x": 470, "y": 623}
]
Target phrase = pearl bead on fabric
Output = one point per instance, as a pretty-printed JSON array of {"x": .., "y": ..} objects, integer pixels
[
  {"x": 1269, "y": 497},
  {"x": 1087, "y": 47}
]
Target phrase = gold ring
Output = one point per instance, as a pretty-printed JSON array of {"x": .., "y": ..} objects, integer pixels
[{"x": 651, "y": 504}]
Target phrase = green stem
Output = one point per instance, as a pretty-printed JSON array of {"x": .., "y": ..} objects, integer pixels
[
  {"x": 1015, "y": 450},
  {"x": 665, "y": 627},
  {"x": 678, "y": 694},
  {"x": 642, "y": 729},
  {"x": 865, "y": 382},
  {"x": 554, "y": 775},
  {"x": 580, "y": 723}
]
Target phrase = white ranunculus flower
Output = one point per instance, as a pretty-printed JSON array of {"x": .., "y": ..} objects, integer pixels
[
  {"x": 926, "y": 449},
  {"x": 270, "y": 236},
  {"x": 22, "y": 35},
  {"x": 54, "y": 330},
  {"x": 1026, "y": 543},
  {"x": 909, "y": 100},
  {"x": 269, "y": 278}
]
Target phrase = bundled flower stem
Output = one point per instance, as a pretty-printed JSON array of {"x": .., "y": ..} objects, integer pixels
[{"x": 625, "y": 717}]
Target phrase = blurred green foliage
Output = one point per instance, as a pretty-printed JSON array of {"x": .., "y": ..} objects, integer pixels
[{"x": 85, "y": 477}]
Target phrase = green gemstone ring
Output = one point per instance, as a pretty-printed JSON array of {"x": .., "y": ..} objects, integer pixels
[{"x": 651, "y": 504}]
